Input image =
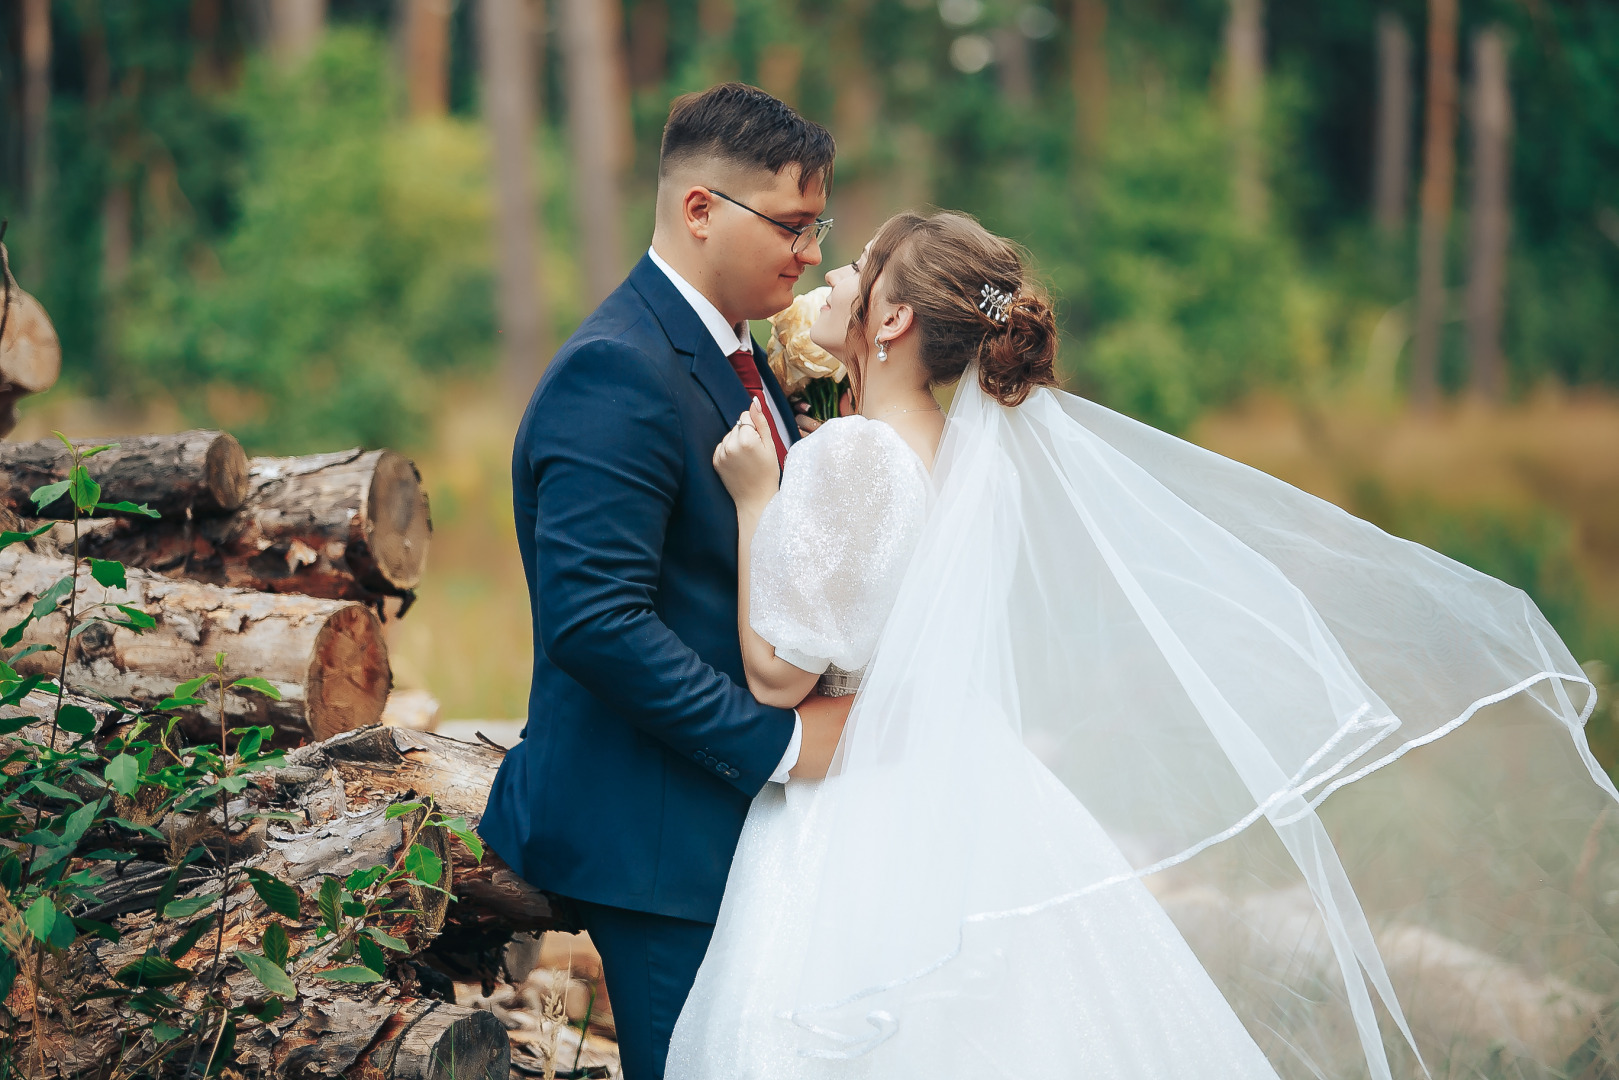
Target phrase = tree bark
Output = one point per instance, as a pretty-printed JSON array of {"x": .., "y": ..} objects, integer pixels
[
  {"x": 192, "y": 473},
  {"x": 1391, "y": 171},
  {"x": 1088, "y": 74},
  {"x": 1490, "y": 216},
  {"x": 508, "y": 53},
  {"x": 649, "y": 44},
  {"x": 1438, "y": 180},
  {"x": 1245, "y": 86},
  {"x": 427, "y": 56},
  {"x": 598, "y": 125},
  {"x": 326, "y": 657}
]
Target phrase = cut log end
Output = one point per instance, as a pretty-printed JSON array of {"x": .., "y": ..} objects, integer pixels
[
  {"x": 225, "y": 472},
  {"x": 454, "y": 1044},
  {"x": 348, "y": 673},
  {"x": 30, "y": 354},
  {"x": 400, "y": 523}
]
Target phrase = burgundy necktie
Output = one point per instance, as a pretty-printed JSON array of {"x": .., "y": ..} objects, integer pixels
[{"x": 742, "y": 361}]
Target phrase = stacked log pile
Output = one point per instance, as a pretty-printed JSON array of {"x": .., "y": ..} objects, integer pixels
[{"x": 327, "y": 810}]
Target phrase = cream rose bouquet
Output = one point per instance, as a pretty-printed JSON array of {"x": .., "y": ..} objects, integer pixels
[{"x": 806, "y": 371}]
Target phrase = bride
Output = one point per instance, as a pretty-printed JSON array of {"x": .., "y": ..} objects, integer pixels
[{"x": 1158, "y": 767}]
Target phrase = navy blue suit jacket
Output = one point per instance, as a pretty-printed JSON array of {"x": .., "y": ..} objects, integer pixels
[{"x": 643, "y": 747}]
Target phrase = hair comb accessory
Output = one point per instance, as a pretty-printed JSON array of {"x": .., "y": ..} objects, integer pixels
[{"x": 993, "y": 302}]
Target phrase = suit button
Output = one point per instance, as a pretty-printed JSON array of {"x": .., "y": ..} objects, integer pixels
[
  {"x": 698, "y": 757},
  {"x": 710, "y": 761},
  {"x": 724, "y": 768},
  {"x": 733, "y": 775}
]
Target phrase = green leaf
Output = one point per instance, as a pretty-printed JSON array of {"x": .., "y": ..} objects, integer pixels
[
  {"x": 14, "y": 635},
  {"x": 147, "y": 830},
  {"x": 129, "y": 508},
  {"x": 86, "y": 492},
  {"x": 9, "y": 538},
  {"x": 123, "y": 772},
  {"x": 459, "y": 828},
  {"x": 64, "y": 933},
  {"x": 277, "y": 946},
  {"x": 371, "y": 956},
  {"x": 77, "y": 719},
  {"x": 8, "y": 975},
  {"x": 164, "y": 1033},
  {"x": 329, "y": 901},
  {"x": 94, "y": 450},
  {"x": 80, "y": 821},
  {"x": 364, "y": 879},
  {"x": 138, "y": 619},
  {"x": 268, "y": 972},
  {"x": 354, "y": 974},
  {"x": 221, "y": 1049},
  {"x": 109, "y": 573},
  {"x": 400, "y": 810},
  {"x": 277, "y": 895},
  {"x": 51, "y": 597},
  {"x": 179, "y": 909},
  {"x": 250, "y": 743},
  {"x": 263, "y": 686},
  {"x": 234, "y": 784},
  {"x": 271, "y": 1011},
  {"x": 190, "y": 687},
  {"x": 37, "y": 647},
  {"x": 106, "y": 931},
  {"x": 48, "y": 494},
  {"x": 386, "y": 940},
  {"x": 180, "y": 703},
  {"x": 152, "y": 971},
  {"x": 188, "y": 940},
  {"x": 40, "y": 918},
  {"x": 424, "y": 864}
]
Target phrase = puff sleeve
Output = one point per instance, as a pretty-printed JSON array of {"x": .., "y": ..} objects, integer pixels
[{"x": 832, "y": 545}]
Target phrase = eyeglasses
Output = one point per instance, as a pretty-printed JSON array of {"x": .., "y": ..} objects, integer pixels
[{"x": 802, "y": 234}]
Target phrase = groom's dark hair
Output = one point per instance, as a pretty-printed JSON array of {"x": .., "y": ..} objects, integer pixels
[{"x": 745, "y": 126}]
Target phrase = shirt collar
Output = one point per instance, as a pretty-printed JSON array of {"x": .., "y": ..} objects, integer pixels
[{"x": 728, "y": 338}]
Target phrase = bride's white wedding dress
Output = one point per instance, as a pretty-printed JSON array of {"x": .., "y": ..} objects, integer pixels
[
  {"x": 1159, "y": 768},
  {"x": 1119, "y": 993}
]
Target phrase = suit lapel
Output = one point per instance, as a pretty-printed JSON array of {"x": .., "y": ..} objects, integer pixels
[
  {"x": 691, "y": 339},
  {"x": 773, "y": 388}
]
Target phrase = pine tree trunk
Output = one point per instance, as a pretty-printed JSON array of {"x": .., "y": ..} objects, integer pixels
[
  {"x": 295, "y": 28},
  {"x": 1391, "y": 172},
  {"x": 326, "y": 657},
  {"x": 427, "y": 56},
  {"x": 1490, "y": 217},
  {"x": 36, "y": 96},
  {"x": 506, "y": 44},
  {"x": 1438, "y": 182},
  {"x": 649, "y": 43},
  {"x": 598, "y": 126},
  {"x": 1088, "y": 74},
  {"x": 1245, "y": 86}
]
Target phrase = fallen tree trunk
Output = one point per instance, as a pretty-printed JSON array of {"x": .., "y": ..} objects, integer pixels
[
  {"x": 353, "y": 525},
  {"x": 30, "y": 354},
  {"x": 192, "y": 473},
  {"x": 326, "y": 657}
]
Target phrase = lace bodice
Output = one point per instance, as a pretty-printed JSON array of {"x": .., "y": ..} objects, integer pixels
[{"x": 833, "y": 544}]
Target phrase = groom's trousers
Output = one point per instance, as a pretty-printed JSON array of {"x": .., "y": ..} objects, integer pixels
[{"x": 650, "y": 962}]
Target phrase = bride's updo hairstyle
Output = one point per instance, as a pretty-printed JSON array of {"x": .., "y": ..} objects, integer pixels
[{"x": 939, "y": 264}]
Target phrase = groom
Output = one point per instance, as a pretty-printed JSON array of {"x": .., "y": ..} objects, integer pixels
[{"x": 643, "y": 747}]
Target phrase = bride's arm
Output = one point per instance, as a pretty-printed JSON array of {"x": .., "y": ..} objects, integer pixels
[{"x": 747, "y": 464}]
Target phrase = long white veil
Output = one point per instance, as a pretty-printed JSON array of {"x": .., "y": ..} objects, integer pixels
[{"x": 1353, "y": 771}]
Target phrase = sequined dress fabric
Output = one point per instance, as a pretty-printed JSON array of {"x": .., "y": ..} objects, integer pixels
[{"x": 1122, "y": 995}]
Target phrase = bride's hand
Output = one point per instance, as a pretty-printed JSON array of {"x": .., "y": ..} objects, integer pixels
[{"x": 746, "y": 460}]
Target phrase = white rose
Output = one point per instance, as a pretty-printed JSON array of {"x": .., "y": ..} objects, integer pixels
[{"x": 793, "y": 357}]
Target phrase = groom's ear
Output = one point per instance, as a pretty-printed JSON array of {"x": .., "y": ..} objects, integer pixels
[{"x": 697, "y": 208}]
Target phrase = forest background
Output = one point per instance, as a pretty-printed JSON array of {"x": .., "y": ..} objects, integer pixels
[{"x": 1371, "y": 246}]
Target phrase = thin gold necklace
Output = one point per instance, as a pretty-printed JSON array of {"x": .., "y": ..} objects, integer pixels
[{"x": 895, "y": 412}]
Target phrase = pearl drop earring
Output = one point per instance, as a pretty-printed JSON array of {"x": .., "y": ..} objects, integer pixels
[{"x": 882, "y": 351}]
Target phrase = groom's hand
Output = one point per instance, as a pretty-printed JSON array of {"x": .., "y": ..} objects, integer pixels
[{"x": 823, "y": 719}]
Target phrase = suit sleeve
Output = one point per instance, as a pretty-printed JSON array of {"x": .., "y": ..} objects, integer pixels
[{"x": 604, "y": 454}]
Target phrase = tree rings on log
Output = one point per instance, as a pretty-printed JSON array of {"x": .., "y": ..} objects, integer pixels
[
  {"x": 327, "y": 658},
  {"x": 193, "y": 473}
]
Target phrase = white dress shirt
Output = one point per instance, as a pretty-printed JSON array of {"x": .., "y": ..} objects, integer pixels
[{"x": 730, "y": 339}]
